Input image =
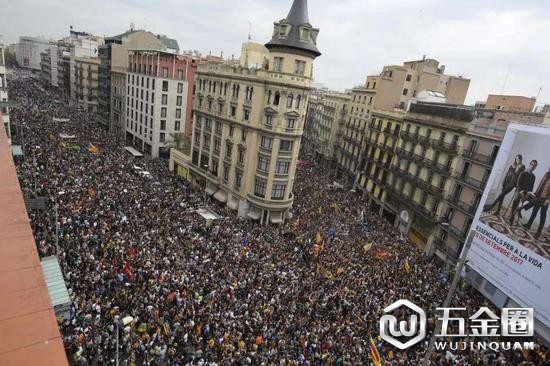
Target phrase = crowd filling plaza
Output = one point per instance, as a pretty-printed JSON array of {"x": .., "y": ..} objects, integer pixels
[{"x": 131, "y": 245}]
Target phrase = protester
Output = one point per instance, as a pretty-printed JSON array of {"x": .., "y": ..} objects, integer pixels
[{"x": 308, "y": 293}]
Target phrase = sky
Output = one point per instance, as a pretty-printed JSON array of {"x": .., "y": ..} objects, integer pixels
[{"x": 503, "y": 46}]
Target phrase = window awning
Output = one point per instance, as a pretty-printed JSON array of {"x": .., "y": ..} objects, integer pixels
[
  {"x": 55, "y": 282},
  {"x": 210, "y": 190},
  {"x": 276, "y": 217},
  {"x": 254, "y": 213},
  {"x": 233, "y": 203},
  {"x": 221, "y": 196}
]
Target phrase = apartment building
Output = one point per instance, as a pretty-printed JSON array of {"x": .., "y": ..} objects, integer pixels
[
  {"x": 85, "y": 83},
  {"x": 157, "y": 88},
  {"x": 350, "y": 142},
  {"x": 29, "y": 50},
  {"x": 113, "y": 55},
  {"x": 249, "y": 121},
  {"x": 510, "y": 103},
  {"x": 327, "y": 114},
  {"x": 480, "y": 148},
  {"x": 418, "y": 180},
  {"x": 4, "y": 109}
]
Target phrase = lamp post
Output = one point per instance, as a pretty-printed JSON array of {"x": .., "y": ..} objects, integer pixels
[{"x": 121, "y": 322}]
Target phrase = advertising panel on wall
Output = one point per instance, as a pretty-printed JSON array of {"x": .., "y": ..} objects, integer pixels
[{"x": 511, "y": 239}]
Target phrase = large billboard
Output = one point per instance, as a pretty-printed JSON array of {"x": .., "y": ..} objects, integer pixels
[{"x": 511, "y": 239}]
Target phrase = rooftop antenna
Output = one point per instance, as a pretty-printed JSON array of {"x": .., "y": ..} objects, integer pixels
[
  {"x": 249, "y": 31},
  {"x": 538, "y": 94},
  {"x": 506, "y": 79}
]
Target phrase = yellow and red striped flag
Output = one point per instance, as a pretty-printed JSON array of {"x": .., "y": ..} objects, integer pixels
[{"x": 374, "y": 354}]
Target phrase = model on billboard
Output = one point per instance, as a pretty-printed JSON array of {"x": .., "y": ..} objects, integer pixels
[
  {"x": 526, "y": 183},
  {"x": 539, "y": 202},
  {"x": 509, "y": 183}
]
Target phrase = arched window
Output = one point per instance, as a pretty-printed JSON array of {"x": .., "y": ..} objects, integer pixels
[
  {"x": 298, "y": 101},
  {"x": 276, "y": 99},
  {"x": 289, "y": 100}
]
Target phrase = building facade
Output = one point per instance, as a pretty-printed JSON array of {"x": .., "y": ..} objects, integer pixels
[
  {"x": 29, "y": 50},
  {"x": 510, "y": 103},
  {"x": 327, "y": 114},
  {"x": 4, "y": 109},
  {"x": 85, "y": 85},
  {"x": 249, "y": 121},
  {"x": 157, "y": 87}
]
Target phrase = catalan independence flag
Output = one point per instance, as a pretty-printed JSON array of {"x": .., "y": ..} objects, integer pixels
[{"x": 374, "y": 354}]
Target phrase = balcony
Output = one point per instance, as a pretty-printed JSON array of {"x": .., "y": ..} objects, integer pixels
[
  {"x": 450, "y": 148},
  {"x": 464, "y": 207},
  {"x": 409, "y": 136},
  {"x": 440, "y": 168},
  {"x": 480, "y": 158},
  {"x": 472, "y": 182}
]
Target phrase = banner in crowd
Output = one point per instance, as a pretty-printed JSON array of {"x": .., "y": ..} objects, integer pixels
[{"x": 511, "y": 240}]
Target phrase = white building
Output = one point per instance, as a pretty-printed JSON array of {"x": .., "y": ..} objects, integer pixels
[
  {"x": 4, "y": 116},
  {"x": 29, "y": 50}
]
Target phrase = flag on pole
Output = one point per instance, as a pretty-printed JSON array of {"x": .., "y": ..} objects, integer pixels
[
  {"x": 407, "y": 266},
  {"x": 374, "y": 354}
]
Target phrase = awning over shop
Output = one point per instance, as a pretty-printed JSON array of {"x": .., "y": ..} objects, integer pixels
[
  {"x": 221, "y": 196},
  {"x": 207, "y": 214},
  {"x": 233, "y": 204},
  {"x": 210, "y": 190},
  {"x": 276, "y": 217},
  {"x": 57, "y": 289},
  {"x": 254, "y": 213}
]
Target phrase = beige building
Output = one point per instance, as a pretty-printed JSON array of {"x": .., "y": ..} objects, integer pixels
[
  {"x": 510, "y": 103},
  {"x": 327, "y": 114},
  {"x": 4, "y": 109},
  {"x": 85, "y": 85},
  {"x": 248, "y": 122}
]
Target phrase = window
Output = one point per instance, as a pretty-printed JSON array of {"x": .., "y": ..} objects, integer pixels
[
  {"x": 206, "y": 141},
  {"x": 163, "y": 112},
  {"x": 405, "y": 91},
  {"x": 283, "y": 30},
  {"x": 177, "y": 125},
  {"x": 180, "y": 88},
  {"x": 162, "y": 137},
  {"x": 233, "y": 111},
  {"x": 238, "y": 178},
  {"x": 163, "y": 124},
  {"x": 278, "y": 64},
  {"x": 282, "y": 167},
  {"x": 304, "y": 34},
  {"x": 298, "y": 101},
  {"x": 231, "y": 129},
  {"x": 266, "y": 143},
  {"x": 165, "y": 85},
  {"x": 246, "y": 114},
  {"x": 291, "y": 123},
  {"x": 165, "y": 73},
  {"x": 278, "y": 191},
  {"x": 178, "y": 101},
  {"x": 218, "y": 127},
  {"x": 299, "y": 67},
  {"x": 269, "y": 120},
  {"x": 217, "y": 146},
  {"x": 259, "y": 187},
  {"x": 263, "y": 164},
  {"x": 243, "y": 134},
  {"x": 289, "y": 100},
  {"x": 226, "y": 173},
  {"x": 214, "y": 168},
  {"x": 178, "y": 113},
  {"x": 277, "y": 98},
  {"x": 409, "y": 77},
  {"x": 228, "y": 150},
  {"x": 249, "y": 92},
  {"x": 180, "y": 74},
  {"x": 164, "y": 99},
  {"x": 240, "y": 156},
  {"x": 286, "y": 145}
]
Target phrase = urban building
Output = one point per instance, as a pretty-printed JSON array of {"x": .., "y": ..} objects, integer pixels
[
  {"x": 481, "y": 146},
  {"x": 352, "y": 134},
  {"x": 327, "y": 113},
  {"x": 410, "y": 185},
  {"x": 113, "y": 55},
  {"x": 29, "y": 50},
  {"x": 157, "y": 88},
  {"x": 510, "y": 103},
  {"x": 248, "y": 121},
  {"x": 49, "y": 65},
  {"x": 4, "y": 109},
  {"x": 85, "y": 87}
]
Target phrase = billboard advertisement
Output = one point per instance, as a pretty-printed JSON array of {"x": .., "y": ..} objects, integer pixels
[{"x": 511, "y": 239}]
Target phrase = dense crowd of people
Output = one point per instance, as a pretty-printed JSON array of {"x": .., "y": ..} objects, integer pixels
[{"x": 310, "y": 292}]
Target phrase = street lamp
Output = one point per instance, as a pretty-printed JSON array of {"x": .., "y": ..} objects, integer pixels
[{"x": 121, "y": 322}]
